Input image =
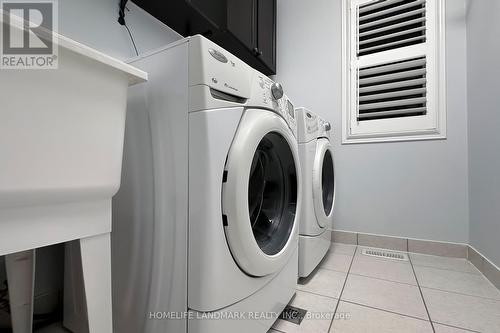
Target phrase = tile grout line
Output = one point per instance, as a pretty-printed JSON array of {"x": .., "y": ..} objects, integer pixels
[
  {"x": 392, "y": 281},
  {"x": 496, "y": 300},
  {"x": 316, "y": 294},
  {"x": 331, "y": 269},
  {"x": 460, "y": 328},
  {"x": 421, "y": 294},
  {"x": 450, "y": 270},
  {"x": 386, "y": 280},
  {"x": 342, "y": 290},
  {"x": 384, "y": 310},
  {"x": 417, "y": 285}
]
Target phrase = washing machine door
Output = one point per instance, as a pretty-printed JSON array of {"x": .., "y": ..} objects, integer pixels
[
  {"x": 261, "y": 193},
  {"x": 323, "y": 183}
]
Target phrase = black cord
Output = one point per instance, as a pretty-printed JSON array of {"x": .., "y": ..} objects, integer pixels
[
  {"x": 132, "y": 39},
  {"x": 121, "y": 20},
  {"x": 121, "y": 12}
]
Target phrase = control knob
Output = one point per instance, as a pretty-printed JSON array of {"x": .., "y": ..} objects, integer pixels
[
  {"x": 277, "y": 90},
  {"x": 327, "y": 126}
]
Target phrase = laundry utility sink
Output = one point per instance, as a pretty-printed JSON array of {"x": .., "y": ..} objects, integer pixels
[
  {"x": 61, "y": 139},
  {"x": 61, "y": 143}
]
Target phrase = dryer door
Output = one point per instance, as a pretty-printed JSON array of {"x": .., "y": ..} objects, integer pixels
[
  {"x": 261, "y": 193},
  {"x": 323, "y": 183}
]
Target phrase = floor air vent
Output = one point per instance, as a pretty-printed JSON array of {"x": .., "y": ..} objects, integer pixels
[
  {"x": 385, "y": 254},
  {"x": 293, "y": 314}
]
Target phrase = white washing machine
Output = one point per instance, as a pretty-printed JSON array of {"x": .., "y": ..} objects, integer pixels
[
  {"x": 205, "y": 226},
  {"x": 318, "y": 178}
]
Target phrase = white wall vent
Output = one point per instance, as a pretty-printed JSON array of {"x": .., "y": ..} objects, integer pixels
[
  {"x": 390, "y": 24},
  {"x": 396, "y": 89},
  {"x": 394, "y": 72}
]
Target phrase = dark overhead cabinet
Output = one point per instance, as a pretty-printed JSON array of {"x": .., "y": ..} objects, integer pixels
[
  {"x": 241, "y": 21},
  {"x": 246, "y": 28},
  {"x": 266, "y": 31},
  {"x": 212, "y": 10}
]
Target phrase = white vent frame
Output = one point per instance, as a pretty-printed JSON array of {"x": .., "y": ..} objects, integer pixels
[
  {"x": 432, "y": 126},
  {"x": 385, "y": 254}
]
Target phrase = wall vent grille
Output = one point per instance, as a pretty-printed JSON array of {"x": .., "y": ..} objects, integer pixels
[
  {"x": 395, "y": 89},
  {"x": 390, "y": 24}
]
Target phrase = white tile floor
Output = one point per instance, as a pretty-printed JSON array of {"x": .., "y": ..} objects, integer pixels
[
  {"x": 351, "y": 292},
  {"x": 367, "y": 294}
]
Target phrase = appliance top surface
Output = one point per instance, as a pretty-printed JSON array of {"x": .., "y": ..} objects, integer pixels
[
  {"x": 228, "y": 82},
  {"x": 217, "y": 79}
]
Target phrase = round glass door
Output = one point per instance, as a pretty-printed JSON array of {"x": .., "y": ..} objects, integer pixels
[
  {"x": 272, "y": 193},
  {"x": 327, "y": 182},
  {"x": 323, "y": 183},
  {"x": 261, "y": 194}
]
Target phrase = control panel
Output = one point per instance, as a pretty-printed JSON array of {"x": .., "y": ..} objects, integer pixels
[
  {"x": 218, "y": 69},
  {"x": 310, "y": 126},
  {"x": 311, "y": 122},
  {"x": 269, "y": 94},
  {"x": 230, "y": 81}
]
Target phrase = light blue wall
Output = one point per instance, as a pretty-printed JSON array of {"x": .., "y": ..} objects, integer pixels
[
  {"x": 410, "y": 189},
  {"x": 483, "y": 31},
  {"x": 94, "y": 23}
]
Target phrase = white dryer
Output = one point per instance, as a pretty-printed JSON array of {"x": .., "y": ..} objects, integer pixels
[
  {"x": 318, "y": 177},
  {"x": 206, "y": 221}
]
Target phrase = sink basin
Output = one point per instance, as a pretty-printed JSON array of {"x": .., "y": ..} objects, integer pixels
[{"x": 61, "y": 142}]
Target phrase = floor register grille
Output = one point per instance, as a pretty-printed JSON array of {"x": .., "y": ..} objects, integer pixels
[{"x": 385, "y": 254}]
